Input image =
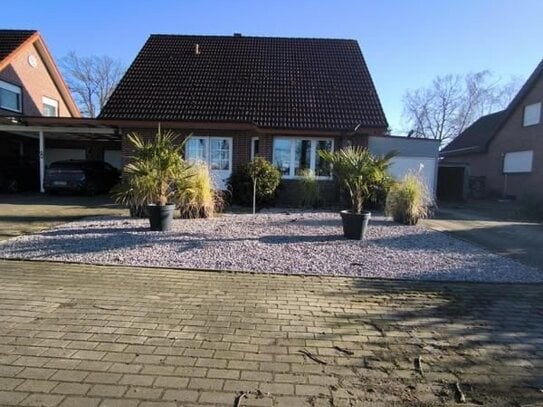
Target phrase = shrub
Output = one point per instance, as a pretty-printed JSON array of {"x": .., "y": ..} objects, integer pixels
[
  {"x": 379, "y": 191},
  {"x": 153, "y": 171},
  {"x": 195, "y": 196},
  {"x": 409, "y": 200},
  {"x": 359, "y": 171},
  {"x": 310, "y": 196},
  {"x": 241, "y": 183}
]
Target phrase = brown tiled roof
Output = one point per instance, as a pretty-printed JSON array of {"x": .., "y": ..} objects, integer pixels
[
  {"x": 476, "y": 137},
  {"x": 290, "y": 83},
  {"x": 10, "y": 40}
]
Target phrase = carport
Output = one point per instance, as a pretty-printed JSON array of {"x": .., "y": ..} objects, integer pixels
[{"x": 62, "y": 134}]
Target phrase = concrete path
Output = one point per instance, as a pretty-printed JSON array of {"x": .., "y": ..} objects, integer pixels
[
  {"x": 519, "y": 240},
  {"x": 74, "y": 335}
]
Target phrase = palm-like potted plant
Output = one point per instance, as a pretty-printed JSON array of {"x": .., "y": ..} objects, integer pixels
[
  {"x": 359, "y": 171},
  {"x": 151, "y": 177}
]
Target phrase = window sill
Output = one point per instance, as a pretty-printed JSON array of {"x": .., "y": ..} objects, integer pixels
[{"x": 297, "y": 178}]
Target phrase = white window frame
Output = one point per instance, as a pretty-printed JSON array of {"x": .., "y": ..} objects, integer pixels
[
  {"x": 253, "y": 139},
  {"x": 312, "y": 159},
  {"x": 534, "y": 114},
  {"x": 50, "y": 102},
  {"x": 207, "y": 151},
  {"x": 15, "y": 89},
  {"x": 524, "y": 170}
]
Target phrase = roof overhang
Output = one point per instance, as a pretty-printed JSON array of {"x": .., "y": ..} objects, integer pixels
[
  {"x": 60, "y": 128},
  {"x": 460, "y": 151},
  {"x": 129, "y": 124}
]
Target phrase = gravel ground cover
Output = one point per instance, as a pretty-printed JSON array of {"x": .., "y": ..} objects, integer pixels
[{"x": 272, "y": 242}]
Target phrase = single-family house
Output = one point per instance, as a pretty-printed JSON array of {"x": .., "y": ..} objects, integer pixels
[
  {"x": 501, "y": 154},
  {"x": 280, "y": 98}
]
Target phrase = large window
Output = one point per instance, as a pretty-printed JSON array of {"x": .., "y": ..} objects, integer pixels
[
  {"x": 532, "y": 114},
  {"x": 214, "y": 151},
  {"x": 294, "y": 156},
  {"x": 50, "y": 107},
  {"x": 518, "y": 162},
  {"x": 10, "y": 97}
]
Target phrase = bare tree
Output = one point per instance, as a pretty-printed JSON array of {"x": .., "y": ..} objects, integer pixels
[
  {"x": 453, "y": 102},
  {"x": 91, "y": 80}
]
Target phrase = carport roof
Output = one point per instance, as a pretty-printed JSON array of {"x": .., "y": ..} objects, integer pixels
[{"x": 61, "y": 128}]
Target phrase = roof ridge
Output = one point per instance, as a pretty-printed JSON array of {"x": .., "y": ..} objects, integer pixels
[{"x": 242, "y": 36}]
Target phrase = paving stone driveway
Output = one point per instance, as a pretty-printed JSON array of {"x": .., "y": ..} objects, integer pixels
[{"x": 73, "y": 335}]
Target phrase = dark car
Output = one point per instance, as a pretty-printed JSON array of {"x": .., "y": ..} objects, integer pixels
[
  {"x": 19, "y": 174},
  {"x": 89, "y": 177}
]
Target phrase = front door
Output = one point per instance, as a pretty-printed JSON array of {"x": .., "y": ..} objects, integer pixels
[{"x": 216, "y": 152}]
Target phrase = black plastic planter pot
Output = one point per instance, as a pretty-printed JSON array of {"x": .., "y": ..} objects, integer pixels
[
  {"x": 160, "y": 217},
  {"x": 355, "y": 225}
]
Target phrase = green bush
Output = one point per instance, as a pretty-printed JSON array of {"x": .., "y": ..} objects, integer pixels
[
  {"x": 241, "y": 183},
  {"x": 359, "y": 171},
  {"x": 409, "y": 200},
  {"x": 379, "y": 191}
]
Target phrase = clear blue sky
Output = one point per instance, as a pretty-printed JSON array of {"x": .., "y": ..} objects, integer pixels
[{"x": 405, "y": 43}]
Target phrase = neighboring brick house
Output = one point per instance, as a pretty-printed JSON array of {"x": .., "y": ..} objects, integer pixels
[
  {"x": 281, "y": 98},
  {"x": 30, "y": 82},
  {"x": 505, "y": 149},
  {"x": 35, "y": 100}
]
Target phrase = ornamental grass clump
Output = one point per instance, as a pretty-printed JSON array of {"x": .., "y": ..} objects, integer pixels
[
  {"x": 409, "y": 200},
  {"x": 310, "y": 191},
  {"x": 196, "y": 196}
]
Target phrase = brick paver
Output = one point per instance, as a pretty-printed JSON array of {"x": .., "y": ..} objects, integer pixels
[{"x": 73, "y": 335}]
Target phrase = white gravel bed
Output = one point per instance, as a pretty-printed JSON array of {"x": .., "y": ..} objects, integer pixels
[{"x": 286, "y": 243}]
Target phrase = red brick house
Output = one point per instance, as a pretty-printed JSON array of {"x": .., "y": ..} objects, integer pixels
[
  {"x": 38, "y": 116},
  {"x": 30, "y": 82},
  {"x": 505, "y": 149},
  {"x": 281, "y": 98}
]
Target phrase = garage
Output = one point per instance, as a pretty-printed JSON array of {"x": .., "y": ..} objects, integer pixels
[
  {"x": 40, "y": 141},
  {"x": 414, "y": 154}
]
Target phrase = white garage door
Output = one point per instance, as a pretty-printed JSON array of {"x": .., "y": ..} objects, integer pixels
[
  {"x": 59, "y": 154},
  {"x": 113, "y": 157},
  {"x": 427, "y": 167}
]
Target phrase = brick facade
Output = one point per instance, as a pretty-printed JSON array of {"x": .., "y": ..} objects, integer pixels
[
  {"x": 511, "y": 137},
  {"x": 35, "y": 83},
  {"x": 290, "y": 191}
]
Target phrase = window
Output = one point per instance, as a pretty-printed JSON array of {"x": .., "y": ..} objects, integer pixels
[
  {"x": 255, "y": 147},
  {"x": 214, "y": 151},
  {"x": 294, "y": 156},
  {"x": 50, "y": 107},
  {"x": 532, "y": 114},
  {"x": 10, "y": 97},
  {"x": 219, "y": 151},
  {"x": 518, "y": 162},
  {"x": 197, "y": 150}
]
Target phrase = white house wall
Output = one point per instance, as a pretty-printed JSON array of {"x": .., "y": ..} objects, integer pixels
[{"x": 413, "y": 155}]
